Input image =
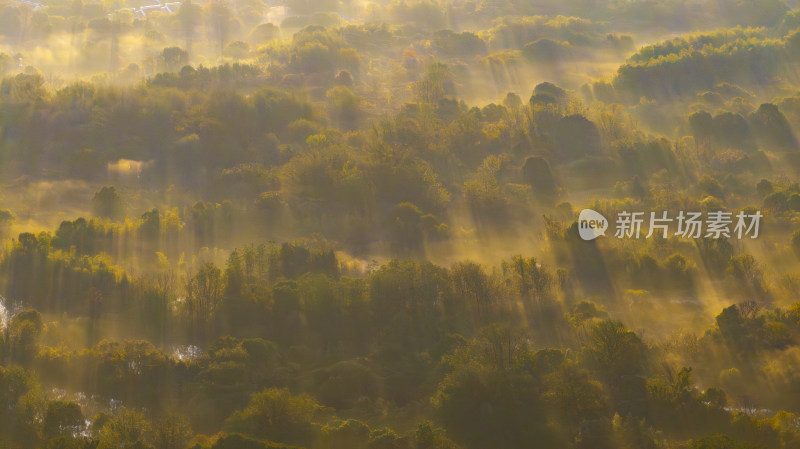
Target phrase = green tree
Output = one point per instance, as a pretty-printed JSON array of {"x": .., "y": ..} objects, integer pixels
[
  {"x": 62, "y": 418},
  {"x": 536, "y": 173},
  {"x": 127, "y": 429},
  {"x": 343, "y": 107},
  {"x": 203, "y": 295},
  {"x": 772, "y": 128},
  {"x": 489, "y": 408},
  {"x": 220, "y": 18},
  {"x": 615, "y": 352},
  {"x": 107, "y": 203},
  {"x": 24, "y": 331},
  {"x": 171, "y": 432},
  {"x": 277, "y": 415},
  {"x": 348, "y": 434},
  {"x": 576, "y": 137}
]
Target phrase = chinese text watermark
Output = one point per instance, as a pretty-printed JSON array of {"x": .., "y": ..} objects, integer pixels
[{"x": 693, "y": 225}]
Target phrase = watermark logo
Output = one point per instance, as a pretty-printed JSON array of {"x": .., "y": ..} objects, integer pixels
[
  {"x": 591, "y": 224},
  {"x": 691, "y": 225}
]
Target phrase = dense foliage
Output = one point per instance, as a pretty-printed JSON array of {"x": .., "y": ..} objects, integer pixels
[{"x": 328, "y": 224}]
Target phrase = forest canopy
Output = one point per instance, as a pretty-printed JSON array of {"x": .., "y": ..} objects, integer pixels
[{"x": 233, "y": 224}]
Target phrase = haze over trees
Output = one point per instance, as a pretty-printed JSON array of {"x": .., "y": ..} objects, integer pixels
[{"x": 345, "y": 224}]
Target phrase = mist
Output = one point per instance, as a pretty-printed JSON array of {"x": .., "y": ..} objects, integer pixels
[{"x": 329, "y": 224}]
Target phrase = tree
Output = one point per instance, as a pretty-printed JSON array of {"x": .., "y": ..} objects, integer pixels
[
  {"x": 171, "y": 432},
  {"x": 512, "y": 101},
  {"x": 348, "y": 434},
  {"x": 473, "y": 290},
  {"x": 385, "y": 438},
  {"x": 405, "y": 227},
  {"x": 264, "y": 33},
  {"x": 484, "y": 408},
  {"x": 437, "y": 83},
  {"x": 24, "y": 88},
  {"x": 159, "y": 292},
  {"x": 547, "y": 92},
  {"x": 576, "y": 137},
  {"x": 107, "y": 203},
  {"x": 795, "y": 243},
  {"x": 452, "y": 44},
  {"x": 237, "y": 50},
  {"x": 575, "y": 397},
  {"x": 188, "y": 19},
  {"x": 174, "y": 58},
  {"x": 531, "y": 280},
  {"x": 19, "y": 414},
  {"x": 343, "y": 107},
  {"x": 632, "y": 432},
  {"x": 748, "y": 276},
  {"x": 428, "y": 436},
  {"x": 615, "y": 352},
  {"x": 595, "y": 434},
  {"x": 23, "y": 335},
  {"x": 536, "y": 173},
  {"x": 701, "y": 124},
  {"x": 220, "y": 21},
  {"x": 344, "y": 384},
  {"x": 62, "y": 418},
  {"x": 772, "y": 128},
  {"x": 203, "y": 296},
  {"x": 344, "y": 78},
  {"x": 733, "y": 327},
  {"x": 719, "y": 441},
  {"x": 278, "y": 415},
  {"x": 237, "y": 441},
  {"x": 732, "y": 131},
  {"x": 546, "y": 52},
  {"x": 126, "y": 429}
]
